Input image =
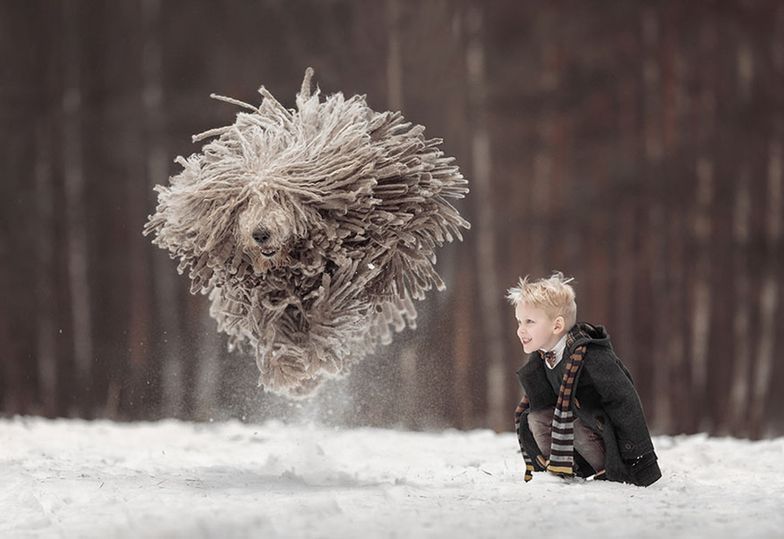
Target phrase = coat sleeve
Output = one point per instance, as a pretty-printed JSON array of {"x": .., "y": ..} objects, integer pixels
[{"x": 620, "y": 403}]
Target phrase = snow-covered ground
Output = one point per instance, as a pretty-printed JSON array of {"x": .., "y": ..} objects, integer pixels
[{"x": 70, "y": 478}]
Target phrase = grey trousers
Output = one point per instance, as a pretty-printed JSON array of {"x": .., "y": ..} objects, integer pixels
[{"x": 586, "y": 442}]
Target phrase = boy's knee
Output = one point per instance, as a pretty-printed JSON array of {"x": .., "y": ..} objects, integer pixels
[
  {"x": 590, "y": 445},
  {"x": 542, "y": 416},
  {"x": 540, "y": 423}
]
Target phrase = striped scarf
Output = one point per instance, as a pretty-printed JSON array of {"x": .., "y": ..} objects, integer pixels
[{"x": 562, "y": 448}]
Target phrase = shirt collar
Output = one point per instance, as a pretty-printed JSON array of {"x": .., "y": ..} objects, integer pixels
[{"x": 558, "y": 349}]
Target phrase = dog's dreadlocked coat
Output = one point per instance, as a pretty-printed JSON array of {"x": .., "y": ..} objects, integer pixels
[{"x": 311, "y": 230}]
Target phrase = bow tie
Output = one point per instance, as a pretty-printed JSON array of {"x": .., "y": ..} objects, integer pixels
[{"x": 550, "y": 358}]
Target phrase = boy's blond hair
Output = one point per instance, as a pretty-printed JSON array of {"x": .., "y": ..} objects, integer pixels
[{"x": 554, "y": 295}]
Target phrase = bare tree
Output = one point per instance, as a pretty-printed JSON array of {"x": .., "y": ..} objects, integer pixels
[
  {"x": 657, "y": 230},
  {"x": 207, "y": 379},
  {"x": 770, "y": 292},
  {"x": 394, "y": 56},
  {"x": 769, "y": 298},
  {"x": 74, "y": 194},
  {"x": 44, "y": 195},
  {"x": 394, "y": 76},
  {"x": 739, "y": 390},
  {"x": 702, "y": 221},
  {"x": 539, "y": 198},
  {"x": 164, "y": 282},
  {"x": 481, "y": 159},
  {"x": 134, "y": 148}
]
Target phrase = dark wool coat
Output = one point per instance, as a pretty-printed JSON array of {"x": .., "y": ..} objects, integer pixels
[{"x": 604, "y": 400}]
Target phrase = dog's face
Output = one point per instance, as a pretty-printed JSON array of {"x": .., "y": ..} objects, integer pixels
[{"x": 266, "y": 229}]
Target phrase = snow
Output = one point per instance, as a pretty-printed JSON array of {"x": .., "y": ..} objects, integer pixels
[{"x": 73, "y": 478}]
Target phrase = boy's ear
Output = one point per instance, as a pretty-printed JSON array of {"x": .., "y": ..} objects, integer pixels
[{"x": 559, "y": 324}]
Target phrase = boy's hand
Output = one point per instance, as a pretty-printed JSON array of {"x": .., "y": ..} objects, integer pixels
[{"x": 644, "y": 469}]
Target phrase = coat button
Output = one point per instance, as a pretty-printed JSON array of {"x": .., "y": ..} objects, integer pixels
[{"x": 628, "y": 445}]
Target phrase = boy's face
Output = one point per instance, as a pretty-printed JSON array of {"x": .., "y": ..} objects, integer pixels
[{"x": 535, "y": 329}]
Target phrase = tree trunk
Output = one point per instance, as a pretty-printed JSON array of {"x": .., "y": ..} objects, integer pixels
[
  {"x": 741, "y": 364},
  {"x": 769, "y": 297},
  {"x": 762, "y": 405},
  {"x": 74, "y": 195},
  {"x": 658, "y": 232},
  {"x": 140, "y": 311},
  {"x": 45, "y": 345},
  {"x": 407, "y": 360},
  {"x": 703, "y": 233},
  {"x": 207, "y": 377},
  {"x": 701, "y": 294},
  {"x": 484, "y": 237},
  {"x": 165, "y": 345},
  {"x": 394, "y": 57},
  {"x": 539, "y": 199}
]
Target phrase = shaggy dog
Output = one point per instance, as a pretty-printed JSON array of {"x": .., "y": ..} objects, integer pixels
[{"x": 312, "y": 230}]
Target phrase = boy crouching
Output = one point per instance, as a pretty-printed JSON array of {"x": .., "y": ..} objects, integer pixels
[{"x": 580, "y": 415}]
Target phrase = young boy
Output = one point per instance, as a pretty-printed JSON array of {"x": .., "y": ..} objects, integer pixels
[{"x": 580, "y": 414}]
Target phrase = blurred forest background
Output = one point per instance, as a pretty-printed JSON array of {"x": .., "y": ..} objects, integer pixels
[{"x": 635, "y": 145}]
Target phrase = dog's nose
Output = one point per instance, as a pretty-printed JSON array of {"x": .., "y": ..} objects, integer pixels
[{"x": 261, "y": 235}]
